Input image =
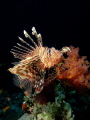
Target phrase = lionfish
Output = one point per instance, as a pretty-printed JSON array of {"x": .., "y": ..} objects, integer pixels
[{"x": 37, "y": 65}]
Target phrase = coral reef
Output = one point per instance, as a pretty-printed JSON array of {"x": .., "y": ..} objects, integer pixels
[
  {"x": 52, "y": 110},
  {"x": 47, "y": 74}
]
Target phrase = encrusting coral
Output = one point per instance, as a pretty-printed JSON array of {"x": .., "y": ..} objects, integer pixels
[{"x": 38, "y": 70}]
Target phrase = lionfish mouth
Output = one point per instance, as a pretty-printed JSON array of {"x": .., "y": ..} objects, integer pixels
[{"x": 37, "y": 65}]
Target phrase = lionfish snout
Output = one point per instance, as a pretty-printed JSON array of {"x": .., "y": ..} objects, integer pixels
[{"x": 37, "y": 65}]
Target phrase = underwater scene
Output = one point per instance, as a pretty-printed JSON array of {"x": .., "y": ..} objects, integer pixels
[
  {"x": 55, "y": 83},
  {"x": 44, "y": 60}
]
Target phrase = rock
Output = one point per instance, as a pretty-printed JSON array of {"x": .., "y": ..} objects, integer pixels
[{"x": 25, "y": 117}]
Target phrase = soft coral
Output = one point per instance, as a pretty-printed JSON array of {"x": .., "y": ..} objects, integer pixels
[{"x": 74, "y": 70}]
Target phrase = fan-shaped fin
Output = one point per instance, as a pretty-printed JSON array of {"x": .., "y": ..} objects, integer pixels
[{"x": 22, "y": 83}]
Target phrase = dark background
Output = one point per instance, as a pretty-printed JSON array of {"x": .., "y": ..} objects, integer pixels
[{"x": 61, "y": 24}]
